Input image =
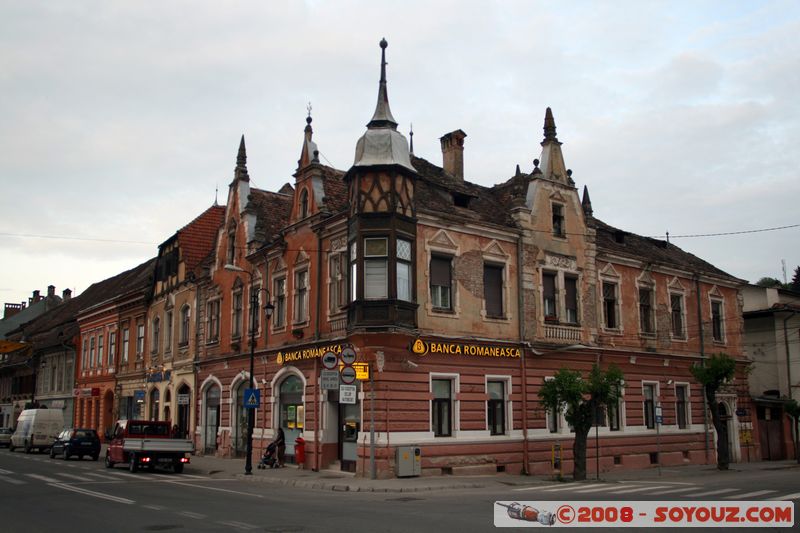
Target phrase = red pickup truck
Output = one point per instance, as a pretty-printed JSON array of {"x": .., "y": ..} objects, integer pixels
[{"x": 140, "y": 443}]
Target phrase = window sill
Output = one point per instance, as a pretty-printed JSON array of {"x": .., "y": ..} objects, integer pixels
[
  {"x": 612, "y": 331},
  {"x": 183, "y": 344},
  {"x": 644, "y": 335}
]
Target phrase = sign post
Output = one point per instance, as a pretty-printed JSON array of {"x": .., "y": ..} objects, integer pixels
[
  {"x": 252, "y": 398},
  {"x": 659, "y": 421}
]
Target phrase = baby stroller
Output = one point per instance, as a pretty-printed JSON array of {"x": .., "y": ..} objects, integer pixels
[{"x": 268, "y": 460}]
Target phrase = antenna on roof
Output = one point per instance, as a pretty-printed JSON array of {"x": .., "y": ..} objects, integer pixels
[
  {"x": 216, "y": 192},
  {"x": 411, "y": 134},
  {"x": 667, "y": 237}
]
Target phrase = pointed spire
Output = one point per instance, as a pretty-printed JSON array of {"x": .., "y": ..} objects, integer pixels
[
  {"x": 241, "y": 162},
  {"x": 586, "y": 203},
  {"x": 411, "y": 138},
  {"x": 383, "y": 115},
  {"x": 216, "y": 194},
  {"x": 518, "y": 172},
  {"x": 549, "y": 126},
  {"x": 309, "y": 153}
]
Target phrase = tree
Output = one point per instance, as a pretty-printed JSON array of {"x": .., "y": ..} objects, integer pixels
[
  {"x": 793, "y": 409},
  {"x": 579, "y": 399},
  {"x": 795, "y": 284},
  {"x": 712, "y": 374},
  {"x": 770, "y": 283}
]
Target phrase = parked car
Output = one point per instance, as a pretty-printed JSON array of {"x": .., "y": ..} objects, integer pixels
[
  {"x": 78, "y": 442},
  {"x": 36, "y": 429},
  {"x": 5, "y": 436}
]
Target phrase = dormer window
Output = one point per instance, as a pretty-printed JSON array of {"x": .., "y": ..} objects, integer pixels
[
  {"x": 304, "y": 204},
  {"x": 558, "y": 220},
  {"x": 231, "y": 245},
  {"x": 461, "y": 200}
]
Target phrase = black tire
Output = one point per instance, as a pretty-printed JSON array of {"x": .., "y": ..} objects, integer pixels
[
  {"x": 28, "y": 447},
  {"x": 177, "y": 467},
  {"x": 52, "y": 453},
  {"x": 95, "y": 456},
  {"x": 80, "y": 458},
  {"x": 11, "y": 447},
  {"x": 65, "y": 454},
  {"x": 133, "y": 466},
  {"x": 109, "y": 462}
]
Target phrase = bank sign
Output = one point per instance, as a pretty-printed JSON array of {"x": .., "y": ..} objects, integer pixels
[
  {"x": 313, "y": 352},
  {"x": 420, "y": 347}
]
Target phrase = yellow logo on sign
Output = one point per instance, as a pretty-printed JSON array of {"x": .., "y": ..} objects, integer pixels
[
  {"x": 279, "y": 358},
  {"x": 419, "y": 347}
]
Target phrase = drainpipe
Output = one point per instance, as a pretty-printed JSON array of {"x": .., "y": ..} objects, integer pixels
[
  {"x": 317, "y": 391},
  {"x": 702, "y": 361},
  {"x": 523, "y": 372}
]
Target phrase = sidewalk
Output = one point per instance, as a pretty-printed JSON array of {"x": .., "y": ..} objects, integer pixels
[{"x": 343, "y": 481}]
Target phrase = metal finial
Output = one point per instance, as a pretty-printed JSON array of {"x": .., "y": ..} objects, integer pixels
[
  {"x": 411, "y": 136},
  {"x": 308, "y": 118},
  {"x": 383, "y": 43},
  {"x": 535, "y": 163},
  {"x": 216, "y": 194},
  {"x": 241, "y": 157}
]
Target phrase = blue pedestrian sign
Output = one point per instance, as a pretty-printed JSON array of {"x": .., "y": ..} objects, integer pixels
[{"x": 252, "y": 398}]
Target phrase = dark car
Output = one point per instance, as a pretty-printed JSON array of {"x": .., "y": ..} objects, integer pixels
[
  {"x": 78, "y": 442},
  {"x": 5, "y": 436}
]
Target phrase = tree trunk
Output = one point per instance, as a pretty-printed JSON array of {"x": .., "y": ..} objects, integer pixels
[
  {"x": 721, "y": 427},
  {"x": 579, "y": 454}
]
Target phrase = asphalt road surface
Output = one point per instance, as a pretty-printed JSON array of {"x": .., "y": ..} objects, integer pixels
[{"x": 42, "y": 494}]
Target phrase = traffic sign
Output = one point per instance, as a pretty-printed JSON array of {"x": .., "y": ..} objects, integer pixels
[
  {"x": 347, "y": 394},
  {"x": 659, "y": 419},
  {"x": 329, "y": 380},
  {"x": 252, "y": 398},
  {"x": 329, "y": 360},
  {"x": 348, "y": 375},
  {"x": 348, "y": 356},
  {"x": 362, "y": 371}
]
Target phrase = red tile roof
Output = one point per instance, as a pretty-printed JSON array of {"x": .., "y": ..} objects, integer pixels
[{"x": 198, "y": 237}]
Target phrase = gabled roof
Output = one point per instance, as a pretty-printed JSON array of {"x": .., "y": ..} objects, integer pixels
[
  {"x": 198, "y": 237},
  {"x": 650, "y": 250},
  {"x": 272, "y": 210}
]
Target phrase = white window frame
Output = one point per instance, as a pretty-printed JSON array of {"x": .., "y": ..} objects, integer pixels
[
  {"x": 561, "y": 275},
  {"x": 300, "y": 295},
  {"x": 508, "y": 420},
  {"x": 715, "y": 297},
  {"x": 337, "y": 282},
  {"x": 688, "y": 404},
  {"x": 656, "y": 402},
  {"x": 683, "y": 337},
  {"x": 140, "y": 340},
  {"x": 455, "y": 411},
  {"x": 654, "y": 323}
]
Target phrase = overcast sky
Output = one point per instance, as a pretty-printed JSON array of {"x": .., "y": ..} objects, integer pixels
[{"x": 119, "y": 119}]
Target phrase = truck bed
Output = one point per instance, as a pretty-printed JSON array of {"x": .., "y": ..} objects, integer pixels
[{"x": 158, "y": 445}]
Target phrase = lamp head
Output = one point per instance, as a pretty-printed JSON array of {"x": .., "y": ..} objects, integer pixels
[{"x": 268, "y": 309}]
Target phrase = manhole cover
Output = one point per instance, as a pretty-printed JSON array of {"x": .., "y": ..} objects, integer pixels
[
  {"x": 404, "y": 499},
  {"x": 163, "y": 527}
]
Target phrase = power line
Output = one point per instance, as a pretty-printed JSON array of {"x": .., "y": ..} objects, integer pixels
[{"x": 63, "y": 237}]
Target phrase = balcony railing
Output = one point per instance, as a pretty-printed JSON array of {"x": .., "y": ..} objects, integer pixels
[
  {"x": 565, "y": 334},
  {"x": 338, "y": 325}
]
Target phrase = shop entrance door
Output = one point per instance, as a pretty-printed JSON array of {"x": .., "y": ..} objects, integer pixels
[{"x": 349, "y": 428}]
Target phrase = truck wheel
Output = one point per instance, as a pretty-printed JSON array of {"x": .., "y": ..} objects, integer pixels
[
  {"x": 11, "y": 447},
  {"x": 177, "y": 467},
  {"x": 28, "y": 447},
  {"x": 109, "y": 462},
  {"x": 52, "y": 453},
  {"x": 133, "y": 466}
]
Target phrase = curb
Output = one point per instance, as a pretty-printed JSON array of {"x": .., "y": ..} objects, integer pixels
[{"x": 338, "y": 487}]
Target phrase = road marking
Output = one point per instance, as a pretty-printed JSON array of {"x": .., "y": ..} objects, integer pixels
[
  {"x": 238, "y": 525},
  {"x": 72, "y": 476},
  {"x": 190, "y": 514},
  {"x": 3, "y": 471},
  {"x": 43, "y": 478},
  {"x": 104, "y": 476},
  {"x": 215, "y": 488},
  {"x": 605, "y": 488},
  {"x": 537, "y": 487},
  {"x": 154, "y": 507},
  {"x": 793, "y": 496},
  {"x": 671, "y": 491},
  {"x": 710, "y": 493},
  {"x": 748, "y": 495},
  {"x": 93, "y": 494},
  {"x": 12, "y": 480},
  {"x": 575, "y": 487},
  {"x": 640, "y": 489}
]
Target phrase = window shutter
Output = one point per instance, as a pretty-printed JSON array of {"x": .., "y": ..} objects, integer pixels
[
  {"x": 440, "y": 271},
  {"x": 493, "y": 290}
]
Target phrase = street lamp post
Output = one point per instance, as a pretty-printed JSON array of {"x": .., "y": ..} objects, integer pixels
[{"x": 268, "y": 308}]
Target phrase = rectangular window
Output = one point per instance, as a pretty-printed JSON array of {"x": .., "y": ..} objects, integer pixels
[
  {"x": 126, "y": 337},
  {"x": 716, "y": 321},
  {"x": 610, "y": 305},
  {"x": 337, "y": 287},
  {"x": 155, "y": 335},
  {"x": 649, "y": 392},
  {"x": 599, "y": 416},
  {"x": 442, "y": 407},
  {"x": 279, "y": 291},
  {"x": 681, "y": 405},
  {"x": 301, "y": 296},
  {"x": 404, "y": 270},
  {"x": 168, "y": 333},
  {"x": 676, "y": 305},
  {"x": 112, "y": 348},
  {"x": 184, "y": 339},
  {"x": 493, "y": 290},
  {"x": 441, "y": 282},
  {"x": 100, "y": 353},
  {"x": 353, "y": 271},
  {"x": 375, "y": 268},
  {"x": 91, "y": 352},
  {"x": 613, "y": 415},
  {"x": 646, "y": 324},
  {"x": 254, "y": 319},
  {"x": 549, "y": 292},
  {"x": 571, "y": 299},
  {"x": 496, "y": 408},
  {"x": 139, "y": 340},
  {"x": 85, "y": 358},
  {"x": 558, "y": 220},
  {"x": 236, "y": 315},
  {"x": 213, "y": 320}
]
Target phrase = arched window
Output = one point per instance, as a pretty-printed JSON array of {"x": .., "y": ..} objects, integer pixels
[
  {"x": 212, "y": 418},
  {"x": 154, "y": 401},
  {"x": 304, "y": 204},
  {"x": 291, "y": 398},
  {"x": 231, "y": 245},
  {"x": 184, "y": 325}
]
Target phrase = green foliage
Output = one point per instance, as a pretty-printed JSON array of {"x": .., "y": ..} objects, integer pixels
[
  {"x": 771, "y": 283},
  {"x": 793, "y": 409},
  {"x": 568, "y": 391},
  {"x": 718, "y": 369},
  {"x": 795, "y": 283}
]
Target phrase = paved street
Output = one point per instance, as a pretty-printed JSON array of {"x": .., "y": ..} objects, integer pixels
[{"x": 42, "y": 494}]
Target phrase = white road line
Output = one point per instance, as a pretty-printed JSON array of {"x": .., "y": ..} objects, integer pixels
[
  {"x": 710, "y": 493},
  {"x": 610, "y": 486},
  {"x": 71, "y": 476},
  {"x": 793, "y": 496},
  {"x": 537, "y": 487},
  {"x": 748, "y": 495},
  {"x": 640, "y": 489},
  {"x": 154, "y": 507},
  {"x": 215, "y": 488},
  {"x": 12, "y": 480},
  {"x": 93, "y": 494},
  {"x": 671, "y": 491},
  {"x": 574, "y": 487},
  {"x": 3, "y": 471},
  {"x": 43, "y": 478},
  {"x": 238, "y": 525},
  {"x": 103, "y": 476},
  {"x": 189, "y": 514}
]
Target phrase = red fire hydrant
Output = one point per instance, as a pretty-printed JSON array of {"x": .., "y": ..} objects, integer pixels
[{"x": 300, "y": 450}]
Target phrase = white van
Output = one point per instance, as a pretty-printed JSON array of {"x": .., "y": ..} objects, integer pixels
[{"x": 37, "y": 428}]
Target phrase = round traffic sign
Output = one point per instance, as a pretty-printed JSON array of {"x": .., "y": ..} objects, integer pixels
[
  {"x": 329, "y": 360},
  {"x": 348, "y": 375},
  {"x": 348, "y": 356}
]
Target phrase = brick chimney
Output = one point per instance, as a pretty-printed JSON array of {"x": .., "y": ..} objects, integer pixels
[
  {"x": 35, "y": 298},
  {"x": 51, "y": 291},
  {"x": 453, "y": 153},
  {"x": 66, "y": 294}
]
